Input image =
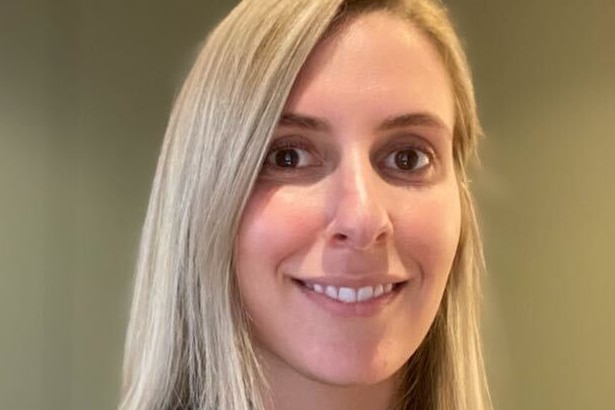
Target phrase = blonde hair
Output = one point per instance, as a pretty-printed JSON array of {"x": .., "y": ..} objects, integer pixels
[{"x": 188, "y": 344}]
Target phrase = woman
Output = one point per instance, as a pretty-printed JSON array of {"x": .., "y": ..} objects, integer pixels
[{"x": 310, "y": 241}]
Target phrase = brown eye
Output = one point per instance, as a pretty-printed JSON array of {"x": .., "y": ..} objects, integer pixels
[
  {"x": 287, "y": 158},
  {"x": 408, "y": 160}
]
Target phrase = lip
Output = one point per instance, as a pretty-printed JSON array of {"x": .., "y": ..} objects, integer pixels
[
  {"x": 352, "y": 282},
  {"x": 367, "y": 308}
]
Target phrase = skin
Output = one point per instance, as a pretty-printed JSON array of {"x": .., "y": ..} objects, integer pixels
[{"x": 344, "y": 212}]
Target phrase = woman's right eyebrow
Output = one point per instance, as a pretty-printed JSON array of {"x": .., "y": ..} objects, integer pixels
[{"x": 303, "y": 121}]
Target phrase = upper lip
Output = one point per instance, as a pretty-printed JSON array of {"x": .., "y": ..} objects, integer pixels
[{"x": 352, "y": 282}]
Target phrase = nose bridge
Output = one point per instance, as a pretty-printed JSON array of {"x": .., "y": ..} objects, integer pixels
[
  {"x": 360, "y": 216},
  {"x": 356, "y": 185}
]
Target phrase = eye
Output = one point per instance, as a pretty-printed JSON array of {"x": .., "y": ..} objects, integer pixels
[
  {"x": 290, "y": 157},
  {"x": 407, "y": 160}
]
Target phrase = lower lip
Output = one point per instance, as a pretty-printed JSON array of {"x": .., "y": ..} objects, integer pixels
[{"x": 357, "y": 309}]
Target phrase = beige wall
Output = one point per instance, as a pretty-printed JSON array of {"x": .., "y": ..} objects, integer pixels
[{"x": 85, "y": 89}]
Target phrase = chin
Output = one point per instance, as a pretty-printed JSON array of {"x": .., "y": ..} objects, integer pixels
[
  {"x": 350, "y": 373},
  {"x": 353, "y": 380}
]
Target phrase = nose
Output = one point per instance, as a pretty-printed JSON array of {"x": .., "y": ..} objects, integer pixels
[{"x": 359, "y": 216}]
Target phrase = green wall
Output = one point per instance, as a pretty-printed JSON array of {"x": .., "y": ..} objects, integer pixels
[
  {"x": 545, "y": 79},
  {"x": 85, "y": 91}
]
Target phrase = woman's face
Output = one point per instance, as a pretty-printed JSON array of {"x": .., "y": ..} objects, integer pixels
[{"x": 347, "y": 241}]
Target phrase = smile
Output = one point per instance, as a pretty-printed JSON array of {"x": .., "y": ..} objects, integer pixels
[{"x": 349, "y": 294}]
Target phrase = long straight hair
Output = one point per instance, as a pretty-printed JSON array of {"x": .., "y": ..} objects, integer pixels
[{"x": 188, "y": 344}]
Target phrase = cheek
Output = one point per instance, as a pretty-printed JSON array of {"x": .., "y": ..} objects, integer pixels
[
  {"x": 277, "y": 223},
  {"x": 428, "y": 234}
]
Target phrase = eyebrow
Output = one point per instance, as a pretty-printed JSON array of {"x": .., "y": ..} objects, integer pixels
[
  {"x": 303, "y": 121},
  {"x": 400, "y": 121},
  {"x": 412, "y": 120}
]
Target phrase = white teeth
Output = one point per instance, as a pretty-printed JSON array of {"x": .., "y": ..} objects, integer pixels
[
  {"x": 350, "y": 295},
  {"x": 347, "y": 295},
  {"x": 365, "y": 293}
]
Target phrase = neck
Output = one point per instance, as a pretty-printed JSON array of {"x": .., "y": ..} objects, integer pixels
[{"x": 290, "y": 389}]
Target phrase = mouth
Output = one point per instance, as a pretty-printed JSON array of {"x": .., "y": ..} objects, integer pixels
[{"x": 352, "y": 295}]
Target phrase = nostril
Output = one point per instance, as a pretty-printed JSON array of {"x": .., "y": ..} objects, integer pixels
[
  {"x": 358, "y": 240},
  {"x": 340, "y": 237}
]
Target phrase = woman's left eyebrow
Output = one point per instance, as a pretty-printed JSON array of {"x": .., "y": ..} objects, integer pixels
[{"x": 414, "y": 119}]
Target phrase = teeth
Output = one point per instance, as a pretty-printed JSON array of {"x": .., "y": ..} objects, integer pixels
[
  {"x": 347, "y": 295},
  {"x": 350, "y": 295},
  {"x": 365, "y": 293}
]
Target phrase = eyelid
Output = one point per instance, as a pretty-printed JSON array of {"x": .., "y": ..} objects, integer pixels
[
  {"x": 413, "y": 140},
  {"x": 289, "y": 142}
]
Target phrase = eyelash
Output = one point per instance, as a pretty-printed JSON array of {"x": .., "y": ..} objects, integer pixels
[{"x": 289, "y": 145}]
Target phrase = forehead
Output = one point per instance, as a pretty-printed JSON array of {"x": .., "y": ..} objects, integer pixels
[{"x": 376, "y": 60}]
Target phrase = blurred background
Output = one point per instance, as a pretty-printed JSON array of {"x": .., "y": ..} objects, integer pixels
[{"x": 85, "y": 91}]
